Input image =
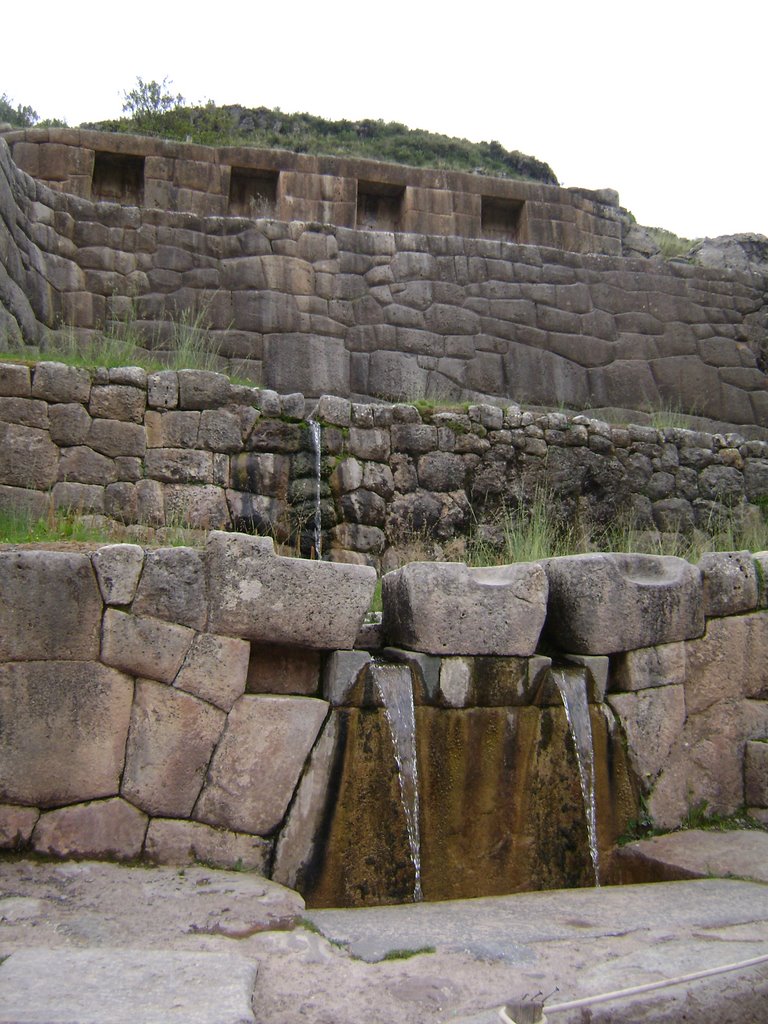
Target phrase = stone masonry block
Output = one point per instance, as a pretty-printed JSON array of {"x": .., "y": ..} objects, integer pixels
[
  {"x": 172, "y": 587},
  {"x": 756, "y": 773},
  {"x": 448, "y": 608},
  {"x": 56, "y": 382},
  {"x": 16, "y": 825},
  {"x": 215, "y": 669},
  {"x": 15, "y": 381},
  {"x": 50, "y": 606},
  {"x": 258, "y": 762},
  {"x": 118, "y": 567},
  {"x": 28, "y": 457},
  {"x": 170, "y": 841},
  {"x": 652, "y": 721},
  {"x": 202, "y": 389},
  {"x": 257, "y": 595},
  {"x": 163, "y": 390},
  {"x": 143, "y": 646},
  {"x": 729, "y": 662},
  {"x": 113, "y": 829},
  {"x": 648, "y": 667},
  {"x": 603, "y": 603},
  {"x": 64, "y": 725},
  {"x": 69, "y": 423},
  {"x": 730, "y": 582},
  {"x": 170, "y": 743},
  {"x": 118, "y": 402}
]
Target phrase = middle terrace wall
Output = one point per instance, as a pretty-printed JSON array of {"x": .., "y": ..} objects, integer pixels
[{"x": 190, "y": 448}]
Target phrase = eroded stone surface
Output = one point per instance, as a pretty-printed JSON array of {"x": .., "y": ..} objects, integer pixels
[
  {"x": 215, "y": 669},
  {"x": 170, "y": 841},
  {"x": 144, "y": 646},
  {"x": 730, "y": 582},
  {"x": 170, "y": 743},
  {"x": 257, "y": 595},
  {"x": 113, "y": 829},
  {"x": 64, "y": 726},
  {"x": 50, "y": 606},
  {"x": 118, "y": 568},
  {"x": 448, "y": 608},
  {"x": 258, "y": 762},
  {"x": 603, "y": 603}
]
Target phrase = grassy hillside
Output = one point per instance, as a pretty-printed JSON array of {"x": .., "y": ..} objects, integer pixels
[{"x": 213, "y": 125}]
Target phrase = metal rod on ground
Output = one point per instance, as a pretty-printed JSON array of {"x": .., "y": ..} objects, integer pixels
[{"x": 651, "y": 986}]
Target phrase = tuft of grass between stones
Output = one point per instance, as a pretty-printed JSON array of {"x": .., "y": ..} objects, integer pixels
[{"x": 188, "y": 345}]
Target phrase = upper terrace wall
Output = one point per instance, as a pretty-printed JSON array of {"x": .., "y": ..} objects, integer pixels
[
  {"x": 380, "y": 314},
  {"x": 345, "y": 192}
]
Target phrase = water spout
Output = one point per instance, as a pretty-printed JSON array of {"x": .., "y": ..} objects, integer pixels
[
  {"x": 317, "y": 536},
  {"x": 395, "y": 685},
  {"x": 572, "y": 685}
]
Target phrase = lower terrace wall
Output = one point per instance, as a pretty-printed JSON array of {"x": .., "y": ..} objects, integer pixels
[
  {"x": 183, "y": 704},
  {"x": 189, "y": 447},
  {"x": 390, "y": 316}
]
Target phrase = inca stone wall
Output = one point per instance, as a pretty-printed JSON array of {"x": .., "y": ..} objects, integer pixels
[
  {"x": 222, "y": 704},
  {"x": 190, "y": 448},
  {"x": 321, "y": 308},
  {"x": 344, "y": 192}
]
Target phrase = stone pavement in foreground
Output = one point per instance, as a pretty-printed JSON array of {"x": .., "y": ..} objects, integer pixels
[{"x": 95, "y": 943}]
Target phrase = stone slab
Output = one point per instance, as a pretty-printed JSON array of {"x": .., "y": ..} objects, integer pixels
[
  {"x": 699, "y": 853},
  {"x": 63, "y": 726},
  {"x": 53, "y": 597},
  {"x": 257, "y": 595},
  {"x": 604, "y": 603},
  {"x": 258, "y": 761},
  {"x": 448, "y": 608},
  {"x": 42, "y": 986}
]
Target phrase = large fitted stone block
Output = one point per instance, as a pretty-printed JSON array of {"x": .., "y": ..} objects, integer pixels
[
  {"x": 602, "y": 603},
  {"x": 64, "y": 726},
  {"x": 448, "y": 608},
  {"x": 730, "y": 582},
  {"x": 118, "y": 567},
  {"x": 172, "y": 587},
  {"x": 171, "y": 841},
  {"x": 215, "y": 669},
  {"x": 50, "y": 606},
  {"x": 170, "y": 743},
  {"x": 144, "y": 646},
  {"x": 258, "y": 762},
  {"x": 104, "y": 828},
  {"x": 257, "y": 595},
  {"x": 28, "y": 457},
  {"x": 756, "y": 773}
]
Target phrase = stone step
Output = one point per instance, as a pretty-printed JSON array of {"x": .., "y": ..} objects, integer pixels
[{"x": 129, "y": 986}]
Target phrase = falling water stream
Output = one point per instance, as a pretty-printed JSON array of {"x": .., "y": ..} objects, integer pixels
[
  {"x": 395, "y": 686},
  {"x": 317, "y": 541},
  {"x": 572, "y": 685}
]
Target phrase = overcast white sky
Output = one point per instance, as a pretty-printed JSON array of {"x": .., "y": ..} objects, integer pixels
[{"x": 663, "y": 101}]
